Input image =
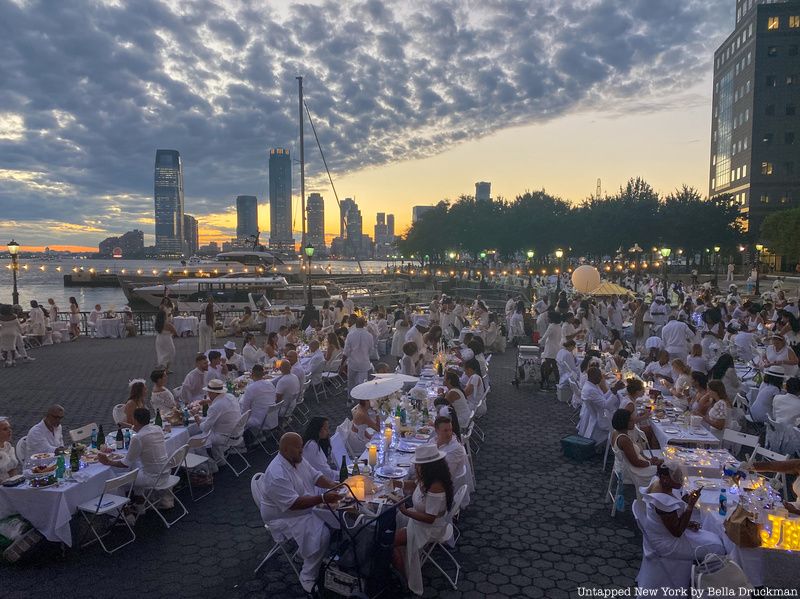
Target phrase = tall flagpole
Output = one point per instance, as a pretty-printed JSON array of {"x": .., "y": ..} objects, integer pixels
[{"x": 302, "y": 168}]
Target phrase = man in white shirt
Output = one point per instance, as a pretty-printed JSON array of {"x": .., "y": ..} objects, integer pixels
[
  {"x": 416, "y": 333},
  {"x": 786, "y": 406},
  {"x": 349, "y": 306},
  {"x": 677, "y": 337},
  {"x": 315, "y": 360},
  {"x": 223, "y": 415},
  {"x": 257, "y": 397},
  {"x": 45, "y": 436},
  {"x": 92, "y": 319},
  {"x": 454, "y": 453},
  {"x": 288, "y": 491},
  {"x": 283, "y": 334},
  {"x": 658, "y": 312},
  {"x": 233, "y": 360},
  {"x": 192, "y": 388},
  {"x": 148, "y": 451},
  {"x": 658, "y": 371},
  {"x": 297, "y": 368},
  {"x": 287, "y": 386},
  {"x": 217, "y": 369},
  {"x": 357, "y": 347},
  {"x": 251, "y": 353}
]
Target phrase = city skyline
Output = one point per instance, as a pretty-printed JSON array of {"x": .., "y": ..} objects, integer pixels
[{"x": 439, "y": 113}]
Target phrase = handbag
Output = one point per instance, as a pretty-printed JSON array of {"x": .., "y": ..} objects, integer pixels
[
  {"x": 742, "y": 529},
  {"x": 719, "y": 573}
]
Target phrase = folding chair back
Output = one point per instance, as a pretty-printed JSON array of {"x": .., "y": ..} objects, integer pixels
[
  {"x": 198, "y": 442},
  {"x": 118, "y": 413},
  {"x": 84, "y": 432},
  {"x": 272, "y": 417},
  {"x": 22, "y": 449},
  {"x": 777, "y": 481},
  {"x": 739, "y": 438},
  {"x": 254, "y": 488}
]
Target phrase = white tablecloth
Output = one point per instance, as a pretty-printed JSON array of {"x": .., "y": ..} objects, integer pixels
[
  {"x": 273, "y": 323},
  {"x": 186, "y": 325},
  {"x": 475, "y": 333},
  {"x": 109, "y": 327},
  {"x": 684, "y": 436},
  {"x": 50, "y": 510}
]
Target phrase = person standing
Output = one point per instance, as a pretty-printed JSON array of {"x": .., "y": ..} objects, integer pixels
[
  {"x": 36, "y": 322},
  {"x": 74, "y": 318},
  {"x": 348, "y": 307},
  {"x": 207, "y": 326},
  {"x": 357, "y": 347},
  {"x": 9, "y": 330},
  {"x": 731, "y": 269},
  {"x": 53, "y": 310},
  {"x": 165, "y": 347}
]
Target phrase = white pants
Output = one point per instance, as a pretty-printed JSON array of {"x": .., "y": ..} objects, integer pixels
[
  {"x": 729, "y": 277},
  {"x": 206, "y": 337}
]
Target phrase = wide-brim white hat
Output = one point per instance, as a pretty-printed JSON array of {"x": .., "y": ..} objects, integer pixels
[
  {"x": 777, "y": 371},
  {"x": 424, "y": 454},
  {"x": 230, "y": 345},
  {"x": 214, "y": 386}
]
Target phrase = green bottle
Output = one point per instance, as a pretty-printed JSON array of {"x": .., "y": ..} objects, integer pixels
[
  {"x": 356, "y": 469},
  {"x": 60, "y": 466},
  {"x": 101, "y": 437},
  {"x": 158, "y": 421},
  {"x": 74, "y": 460},
  {"x": 343, "y": 470}
]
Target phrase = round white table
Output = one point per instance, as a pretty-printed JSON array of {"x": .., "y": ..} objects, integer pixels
[
  {"x": 109, "y": 327},
  {"x": 186, "y": 325}
]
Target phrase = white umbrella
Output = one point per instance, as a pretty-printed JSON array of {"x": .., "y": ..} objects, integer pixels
[
  {"x": 406, "y": 378},
  {"x": 376, "y": 389}
]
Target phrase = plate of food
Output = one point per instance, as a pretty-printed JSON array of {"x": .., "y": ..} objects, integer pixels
[
  {"x": 43, "y": 469},
  {"x": 421, "y": 437},
  {"x": 425, "y": 430},
  {"x": 43, "y": 456},
  {"x": 705, "y": 483},
  {"x": 115, "y": 457},
  {"x": 89, "y": 458}
]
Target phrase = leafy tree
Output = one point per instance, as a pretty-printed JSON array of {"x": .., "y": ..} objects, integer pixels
[{"x": 779, "y": 232}]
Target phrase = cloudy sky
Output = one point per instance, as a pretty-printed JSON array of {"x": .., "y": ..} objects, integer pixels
[{"x": 413, "y": 102}]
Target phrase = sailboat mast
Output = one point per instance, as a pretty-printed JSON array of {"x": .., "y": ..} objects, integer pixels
[{"x": 302, "y": 168}]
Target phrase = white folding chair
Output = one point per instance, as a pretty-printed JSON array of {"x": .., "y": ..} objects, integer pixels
[
  {"x": 773, "y": 438},
  {"x": 22, "y": 449},
  {"x": 109, "y": 504},
  {"x": 738, "y": 439},
  {"x": 657, "y": 571},
  {"x": 446, "y": 536},
  {"x": 165, "y": 483},
  {"x": 118, "y": 413},
  {"x": 231, "y": 445},
  {"x": 80, "y": 434},
  {"x": 277, "y": 545},
  {"x": 466, "y": 438},
  {"x": 778, "y": 480},
  {"x": 301, "y": 411},
  {"x": 195, "y": 460}
]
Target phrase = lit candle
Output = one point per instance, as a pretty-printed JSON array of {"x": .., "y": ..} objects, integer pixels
[
  {"x": 373, "y": 455},
  {"x": 388, "y": 434}
]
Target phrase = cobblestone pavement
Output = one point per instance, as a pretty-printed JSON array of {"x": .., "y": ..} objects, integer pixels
[{"x": 537, "y": 525}]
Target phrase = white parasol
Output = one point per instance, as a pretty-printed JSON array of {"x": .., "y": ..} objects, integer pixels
[{"x": 376, "y": 389}]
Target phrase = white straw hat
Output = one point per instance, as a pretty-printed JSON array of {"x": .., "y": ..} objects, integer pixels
[
  {"x": 425, "y": 454},
  {"x": 230, "y": 345},
  {"x": 214, "y": 386}
]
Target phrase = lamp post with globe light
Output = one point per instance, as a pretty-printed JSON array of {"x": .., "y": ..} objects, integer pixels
[
  {"x": 759, "y": 249},
  {"x": 559, "y": 255},
  {"x": 13, "y": 249},
  {"x": 716, "y": 265},
  {"x": 665, "y": 253}
]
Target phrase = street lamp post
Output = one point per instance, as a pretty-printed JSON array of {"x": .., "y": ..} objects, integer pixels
[
  {"x": 559, "y": 255},
  {"x": 13, "y": 248},
  {"x": 716, "y": 265},
  {"x": 665, "y": 252},
  {"x": 759, "y": 249}
]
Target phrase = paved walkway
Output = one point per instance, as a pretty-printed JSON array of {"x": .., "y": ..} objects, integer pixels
[{"x": 537, "y": 525}]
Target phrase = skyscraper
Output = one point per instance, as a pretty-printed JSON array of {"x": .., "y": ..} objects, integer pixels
[
  {"x": 390, "y": 226},
  {"x": 280, "y": 200},
  {"x": 755, "y": 138},
  {"x": 190, "y": 234},
  {"x": 483, "y": 191},
  {"x": 315, "y": 209},
  {"x": 344, "y": 207},
  {"x": 169, "y": 202},
  {"x": 418, "y": 211},
  {"x": 246, "y": 216}
]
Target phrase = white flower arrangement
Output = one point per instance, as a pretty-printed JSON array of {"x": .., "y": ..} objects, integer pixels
[{"x": 389, "y": 403}]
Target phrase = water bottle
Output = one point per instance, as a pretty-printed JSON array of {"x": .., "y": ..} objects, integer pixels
[
  {"x": 185, "y": 417},
  {"x": 619, "y": 500},
  {"x": 94, "y": 438},
  {"x": 723, "y": 502},
  {"x": 127, "y": 438},
  {"x": 60, "y": 466}
]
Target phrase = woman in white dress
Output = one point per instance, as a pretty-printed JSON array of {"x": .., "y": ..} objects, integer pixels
[
  {"x": 715, "y": 408},
  {"x": 363, "y": 419},
  {"x": 36, "y": 321},
  {"x": 74, "y": 318},
  {"x": 165, "y": 347},
  {"x": 53, "y": 311},
  {"x": 627, "y": 454},
  {"x": 161, "y": 398},
  {"x": 780, "y": 354},
  {"x": 431, "y": 500},
  {"x": 725, "y": 371},
  {"x": 317, "y": 447},
  {"x": 454, "y": 395},
  {"x": 399, "y": 338},
  {"x": 9, "y": 464},
  {"x": 10, "y": 329}
]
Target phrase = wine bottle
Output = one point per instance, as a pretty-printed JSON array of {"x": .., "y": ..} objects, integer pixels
[
  {"x": 127, "y": 438},
  {"x": 94, "y": 438},
  {"x": 343, "y": 470},
  {"x": 158, "y": 421},
  {"x": 356, "y": 469},
  {"x": 101, "y": 437},
  {"x": 74, "y": 460},
  {"x": 120, "y": 439},
  {"x": 205, "y": 410}
]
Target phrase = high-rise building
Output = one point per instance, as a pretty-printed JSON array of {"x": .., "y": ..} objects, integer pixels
[
  {"x": 483, "y": 191},
  {"x": 315, "y": 221},
  {"x": 344, "y": 206},
  {"x": 381, "y": 230},
  {"x": 190, "y": 234},
  {"x": 169, "y": 202},
  {"x": 246, "y": 216},
  {"x": 390, "y": 226},
  {"x": 418, "y": 211},
  {"x": 384, "y": 236},
  {"x": 280, "y": 200},
  {"x": 755, "y": 136}
]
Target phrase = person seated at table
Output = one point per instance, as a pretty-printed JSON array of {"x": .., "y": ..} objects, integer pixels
[
  {"x": 245, "y": 322},
  {"x": 615, "y": 344},
  {"x": 668, "y": 523},
  {"x": 9, "y": 464},
  {"x": 432, "y": 338},
  {"x": 660, "y": 372},
  {"x": 744, "y": 341},
  {"x": 137, "y": 392},
  {"x": 287, "y": 491},
  {"x": 786, "y": 407},
  {"x": 192, "y": 388},
  {"x": 771, "y": 386},
  {"x": 94, "y": 316},
  {"x": 296, "y": 368},
  {"x": 45, "y": 436},
  {"x": 409, "y": 363},
  {"x": 161, "y": 398},
  {"x": 233, "y": 360},
  {"x": 455, "y": 400},
  {"x": 317, "y": 447},
  {"x": 641, "y": 469},
  {"x": 217, "y": 367},
  {"x": 147, "y": 452},
  {"x": 293, "y": 334},
  {"x": 478, "y": 348},
  {"x": 724, "y": 370},
  {"x": 287, "y": 385},
  {"x": 128, "y": 323},
  {"x": 432, "y": 498},
  {"x": 473, "y": 387},
  {"x": 314, "y": 361},
  {"x": 454, "y": 453},
  {"x": 683, "y": 381},
  {"x": 333, "y": 346},
  {"x": 780, "y": 354},
  {"x": 715, "y": 407},
  {"x": 222, "y": 418},
  {"x": 364, "y": 418},
  {"x": 567, "y": 365},
  {"x": 696, "y": 361},
  {"x": 251, "y": 353},
  {"x": 273, "y": 346},
  {"x": 258, "y": 396}
]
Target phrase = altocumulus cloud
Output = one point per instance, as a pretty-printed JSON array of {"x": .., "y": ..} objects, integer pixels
[{"x": 91, "y": 88}]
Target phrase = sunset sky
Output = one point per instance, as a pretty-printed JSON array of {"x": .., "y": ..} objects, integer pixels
[{"x": 412, "y": 104}]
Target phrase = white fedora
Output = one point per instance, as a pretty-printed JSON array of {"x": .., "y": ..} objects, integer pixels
[
  {"x": 214, "y": 386},
  {"x": 425, "y": 454},
  {"x": 230, "y": 345}
]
